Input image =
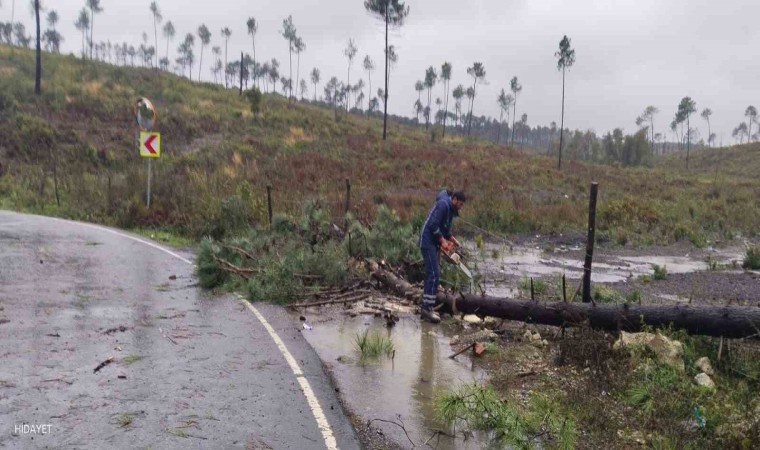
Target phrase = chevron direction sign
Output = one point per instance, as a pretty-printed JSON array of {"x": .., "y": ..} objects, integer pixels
[{"x": 150, "y": 144}]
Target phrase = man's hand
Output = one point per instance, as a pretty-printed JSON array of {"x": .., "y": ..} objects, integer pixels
[
  {"x": 447, "y": 246},
  {"x": 455, "y": 241}
]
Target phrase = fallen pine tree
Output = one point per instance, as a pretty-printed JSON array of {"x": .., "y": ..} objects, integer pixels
[
  {"x": 284, "y": 266},
  {"x": 726, "y": 321}
]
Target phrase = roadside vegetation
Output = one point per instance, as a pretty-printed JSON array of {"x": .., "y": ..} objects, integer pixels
[
  {"x": 70, "y": 152},
  {"x": 579, "y": 392},
  {"x": 540, "y": 419},
  {"x": 752, "y": 258},
  {"x": 660, "y": 272},
  {"x": 373, "y": 345},
  {"x": 302, "y": 254},
  {"x": 679, "y": 413},
  {"x": 538, "y": 285}
]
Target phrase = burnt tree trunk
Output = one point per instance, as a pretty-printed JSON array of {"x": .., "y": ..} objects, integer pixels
[
  {"x": 38, "y": 68},
  {"x": 241, "y": 75}
]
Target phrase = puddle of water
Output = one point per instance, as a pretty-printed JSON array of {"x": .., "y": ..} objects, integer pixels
[
  {"x": 405, "y": 386},
  {"x": 532, "y": 262},
  {"x": 674, "y": 264},
  {"x": 501, "y": 291},
  {"x": 674, "y": 298}
]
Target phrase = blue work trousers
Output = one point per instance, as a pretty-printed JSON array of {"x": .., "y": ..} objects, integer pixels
[{"x": 432, "y": 275}]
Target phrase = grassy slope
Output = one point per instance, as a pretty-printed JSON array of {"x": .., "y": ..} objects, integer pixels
[{"x": 218, "y": 158}]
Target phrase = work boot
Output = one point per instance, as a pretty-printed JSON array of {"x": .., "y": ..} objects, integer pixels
[{"x": 429, "y": 315}]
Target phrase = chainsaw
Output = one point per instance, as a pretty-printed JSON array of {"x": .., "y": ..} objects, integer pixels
[{"x": 452, "y": 257}]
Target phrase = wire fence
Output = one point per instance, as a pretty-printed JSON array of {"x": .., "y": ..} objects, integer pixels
[{"x": 557, "y": 263}]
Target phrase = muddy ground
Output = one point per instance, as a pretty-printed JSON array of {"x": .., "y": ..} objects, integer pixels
[
  {"x": 575, "y": 363},
  {"x": 717, "y": 288},
  {"x": 725, "y": 282}
]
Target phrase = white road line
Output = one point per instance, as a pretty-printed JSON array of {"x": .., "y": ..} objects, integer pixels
[
  {"x": 316, "y": 409},
  {"x": 149, "y": 244}
]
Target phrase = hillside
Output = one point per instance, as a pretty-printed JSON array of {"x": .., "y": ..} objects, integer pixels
[{"x": 218, "y": 158}]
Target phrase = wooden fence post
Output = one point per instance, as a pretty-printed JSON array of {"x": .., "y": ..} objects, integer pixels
[
  {"x": 269, "y": 204},
  {"x": 564, "y": 288},
  {"x": 590, "y": 243},
  {"x": 348, "y": 202}
]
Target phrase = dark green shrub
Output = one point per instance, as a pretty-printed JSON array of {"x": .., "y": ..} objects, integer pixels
[
  {"x": 227, "y": 218},
  {"x": 233, "y": 214},
  {"x": 752, "y": 258},
  {"x": 660, "y": 272},
  {"x": 254, "y": 99}
]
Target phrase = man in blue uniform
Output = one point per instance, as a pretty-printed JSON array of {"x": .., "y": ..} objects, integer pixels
[{"x": 435, "y": 236}]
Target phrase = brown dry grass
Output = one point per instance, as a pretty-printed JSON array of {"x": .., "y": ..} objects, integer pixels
[{"x": 304, "y": 153}]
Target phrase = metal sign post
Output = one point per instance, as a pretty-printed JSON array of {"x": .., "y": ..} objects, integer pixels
[
  {"x": 150, "y": 173},
  {"x": 149, "y": 143}
]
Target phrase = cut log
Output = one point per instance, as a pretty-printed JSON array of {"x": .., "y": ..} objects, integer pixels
[
  {"x": 396, "y": 284},
  {"x": 727, "y": 321}
]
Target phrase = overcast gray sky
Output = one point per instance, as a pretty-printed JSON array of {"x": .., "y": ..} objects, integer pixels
[{"x": 630, "y": 54}]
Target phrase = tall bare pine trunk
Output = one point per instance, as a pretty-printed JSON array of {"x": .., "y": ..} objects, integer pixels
[
  {"x": 387, "y": 73},
  {"x": 38, "y": 71},
  {"x": 562, "y": 121}
]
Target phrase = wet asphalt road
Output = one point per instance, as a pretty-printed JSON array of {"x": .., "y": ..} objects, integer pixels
[{"x": 189, "y": 370}]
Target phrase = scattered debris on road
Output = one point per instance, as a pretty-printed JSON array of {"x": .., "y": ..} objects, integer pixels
[
  {"x": 103, "y": 364},
  {"x": 131, "y": 359},
  {"x": 160, "y": 330},
  {"x": 120, "y": 329},
  {"x": 124, "y": 420},
  {"x": 58, "y": 380},
  {"x": 173, "y": 316}
]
